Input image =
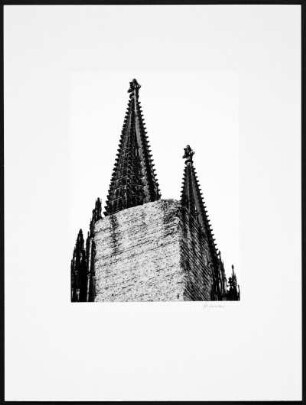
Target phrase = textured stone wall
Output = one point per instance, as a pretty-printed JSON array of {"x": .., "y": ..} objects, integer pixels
[
  {"x": 138, "y": 254},
  {"x": 152, "y": 252},
  {"x": 195, "y": 260}
]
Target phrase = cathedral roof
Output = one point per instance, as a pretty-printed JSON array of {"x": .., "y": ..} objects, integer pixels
[
  {"x": 192, "y": 199},
  {"x": 133, "y": 181}
]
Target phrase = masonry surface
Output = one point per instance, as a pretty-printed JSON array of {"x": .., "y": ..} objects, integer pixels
[{"x": 148, "y": 253}]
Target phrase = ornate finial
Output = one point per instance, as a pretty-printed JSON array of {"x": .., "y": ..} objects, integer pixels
[
  {"x": 98, "y": 209},
  {"x": 233, "y": 278},
  {"x": 233, "y": 294},
  {"x": 134, "y": 86},
  {"x": 80, "y": 236},
  {"x": 96, "y": 215},
  {"x": 188, "y": 154}
]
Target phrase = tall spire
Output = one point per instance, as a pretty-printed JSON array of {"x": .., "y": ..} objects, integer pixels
[
  {"x": 191, "y": 198},
  {"x": 133, "y": 180}
]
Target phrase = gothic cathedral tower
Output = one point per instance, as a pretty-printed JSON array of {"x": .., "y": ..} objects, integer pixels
[{"x": 146, "y": 248}]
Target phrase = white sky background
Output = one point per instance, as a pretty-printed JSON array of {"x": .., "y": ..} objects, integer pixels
[{"x": 224, "y": 79}]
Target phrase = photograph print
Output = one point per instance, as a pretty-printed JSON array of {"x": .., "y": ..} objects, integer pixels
[
  {"x": 152, "y": 193},
  {"x": 141, "y": 247}
]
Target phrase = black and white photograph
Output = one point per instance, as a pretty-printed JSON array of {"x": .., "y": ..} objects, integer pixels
[
  {"x": 145, "y": 248},
  {"x": 152, "y": 192}
]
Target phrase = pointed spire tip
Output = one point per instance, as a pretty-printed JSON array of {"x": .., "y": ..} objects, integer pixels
[
  {"x": 188, "y": 154},
  {"x": 134, "y": 86}
]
